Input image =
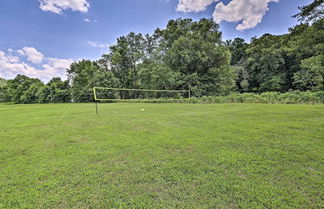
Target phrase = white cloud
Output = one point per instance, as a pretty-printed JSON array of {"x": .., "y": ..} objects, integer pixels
[
  {"x": 10, "y": 66},
  {"x": 194, "y": 5},
  {"x": 90, "y": 20},
  {"x": 57, "y": 6},
  {"x": 57, "y": 67},
  {"x": 32, "y": 54},
  {"x": 95, "y": 44},
  {"x": 250, "y": 12}
]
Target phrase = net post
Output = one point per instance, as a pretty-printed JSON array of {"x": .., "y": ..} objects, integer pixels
[
  {"x": 95, "y": 97},
  {"x": 97, "y": 108},
  {"x": 189, "y": 89},
  {"x": 94, "y": 93}
]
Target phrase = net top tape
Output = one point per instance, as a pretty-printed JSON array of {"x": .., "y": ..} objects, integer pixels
[{"x": 146, "y": 90}]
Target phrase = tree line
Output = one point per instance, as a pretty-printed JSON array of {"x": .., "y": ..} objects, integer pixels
[{"x": 191, "y": 55}]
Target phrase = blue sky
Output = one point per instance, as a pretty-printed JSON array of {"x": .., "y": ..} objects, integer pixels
[{"x": 40, "y": 38}]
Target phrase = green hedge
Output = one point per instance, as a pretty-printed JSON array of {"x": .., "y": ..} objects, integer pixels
[{"x": 292, "y": 97}]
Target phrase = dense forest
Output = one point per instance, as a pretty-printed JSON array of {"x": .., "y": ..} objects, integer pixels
[{"x": 191, "y": 55}]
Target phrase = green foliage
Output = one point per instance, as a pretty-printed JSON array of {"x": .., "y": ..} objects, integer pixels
[
  {"x": 56, "y": 91},
  {"x": 184, "y": 55},
  {"x": 83, "y": 75},
  {"x": 203, "y": 63},
  {"x": 311, "y": 12},
  {"x": 293, "y": 97},
  {"x": 2, "y": 85},
  {"x": 191, "y": 55},
  {"x": 238, "y": 50},
  {"x": 156, "y": 76},
  {"x": 24, "y": 90},
  {"x": 281, "y": 63},
  {"x": 315, "y": 67},
  {"x": 2, "y": 82},
  {"x": 266, "y": 65},
  {"x": 124, "y": 57}
]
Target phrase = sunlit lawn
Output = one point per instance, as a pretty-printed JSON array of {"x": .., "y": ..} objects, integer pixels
[{"x": 167, "y": 156}]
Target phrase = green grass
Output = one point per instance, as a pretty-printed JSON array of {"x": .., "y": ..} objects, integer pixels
[{"x": 168, "y": 156}]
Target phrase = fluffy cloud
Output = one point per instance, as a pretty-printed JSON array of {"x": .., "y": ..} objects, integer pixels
[
  {"x": 57, "y": 6},
  {"x": 32, "y": 54},
  {"x": 57, "y": 67},
  {"x": 11, "y": 65},
  {"x": 97, "y": 45},
  {"x": 193, "y": 5},
  {"x": 250, "y": 12}
]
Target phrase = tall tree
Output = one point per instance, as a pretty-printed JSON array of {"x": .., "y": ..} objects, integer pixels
[
  {"x": 312, "y": 12},
  {"x": 2, "y": 85},
  {"x": 124, "y": 58},
  {"x": 22, "y": 89},
  {"x": 238, "y": 59},
  {"x": 82, "y": 77},
  {"x": 305, "y": 42},
  {"x": 238, "y": 48},
  {"x": 311, "y": 76},
  {"x": 266, "y": 64},
  {"x": 195, "y": 51},
  {"x": 59, "y": 91}
]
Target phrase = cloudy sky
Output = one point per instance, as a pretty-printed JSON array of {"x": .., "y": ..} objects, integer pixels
[{"x": 41, "y": 38}]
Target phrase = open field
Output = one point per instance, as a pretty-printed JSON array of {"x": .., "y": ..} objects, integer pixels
[{"x": 167, "y": 156}]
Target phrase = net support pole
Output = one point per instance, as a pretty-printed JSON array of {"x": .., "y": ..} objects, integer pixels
[
  {"x": 189, "y": 89},
  {"x": 95, "y": 97},
  {"x": 97, "y": 108}
]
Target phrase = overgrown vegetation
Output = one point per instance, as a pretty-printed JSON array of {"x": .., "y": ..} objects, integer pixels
[
  {"x": 291, "y": 97},
  {"x": 2, "y": 85},
  {"x": 191, "y": 55},
  {"x": 24, "y": 90},
  {"x": 295, "y": 97}
]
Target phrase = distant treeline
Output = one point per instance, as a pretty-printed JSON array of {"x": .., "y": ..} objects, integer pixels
[{"x": 191, "y": 55}]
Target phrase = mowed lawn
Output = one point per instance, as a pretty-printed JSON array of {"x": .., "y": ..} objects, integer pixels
[{"x": 167, "y": 156}]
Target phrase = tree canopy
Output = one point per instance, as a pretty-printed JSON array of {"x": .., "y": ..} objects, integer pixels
[
  {"x": 312, "y": 12},
  {"x": 191, "y": 55}
]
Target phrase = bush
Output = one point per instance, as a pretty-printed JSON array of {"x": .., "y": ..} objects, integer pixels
[
  {"x": 270, "y": 97},
  {"x": 252, "y": 98},
  {"x": 292, "y": 97},
  {"x": 320, "y": 96}
]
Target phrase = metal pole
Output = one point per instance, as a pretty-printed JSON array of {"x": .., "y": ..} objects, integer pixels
[
  {"x": 97, "y": 108},
  {"x": 95, "y": 97},
  {"x": 189, "y": 93}
]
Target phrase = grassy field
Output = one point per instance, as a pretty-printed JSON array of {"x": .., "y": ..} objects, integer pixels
[{"x": 167, "y": 156}]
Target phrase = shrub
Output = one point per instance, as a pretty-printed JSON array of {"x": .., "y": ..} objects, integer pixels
[{"x": 292, "y": 97}]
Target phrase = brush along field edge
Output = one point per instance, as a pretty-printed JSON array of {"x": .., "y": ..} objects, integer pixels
[{"x": 140, "y": 90}]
